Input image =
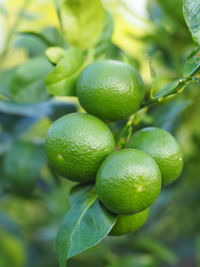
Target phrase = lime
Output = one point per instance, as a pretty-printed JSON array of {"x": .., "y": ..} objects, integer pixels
[
  {"x": 128, "y": 181},
  {"x": 129, "y": 223},
  {"x": 110, "y": 89},
  {"x": 22, "y": 165},
  {"x": 163, "y": 147},
  {"x": 76, "y": 144}
]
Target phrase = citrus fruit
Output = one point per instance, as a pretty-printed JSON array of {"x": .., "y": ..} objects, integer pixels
[
  {"x": 128, "y": 181},
  {"x": 110, "y": 90},
  {"x": 129, "y": 223},
  {"x": 76, "y": 144},
  {"x": 163, "y": 147},
  {"x": 21, "y": 167}
]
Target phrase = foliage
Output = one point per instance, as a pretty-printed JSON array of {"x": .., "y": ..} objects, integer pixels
[{"x": 29, "y": 103}]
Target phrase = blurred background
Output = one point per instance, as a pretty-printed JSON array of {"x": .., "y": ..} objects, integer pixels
[{"x": 152, "y": 36}]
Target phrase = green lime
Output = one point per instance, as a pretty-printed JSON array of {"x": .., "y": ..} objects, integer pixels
[
  {"x": 110, "y": 90},
  {"x": 128, "y": 181},
  {"x": 22, "y": 165},
  {"x": 129, "y": 223},
  {"x": 76, "y": 144},
  {"x": 163, "y": 147}
]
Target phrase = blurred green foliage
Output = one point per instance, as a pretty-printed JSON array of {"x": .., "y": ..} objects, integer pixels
[{"x": 33, "y": 198}]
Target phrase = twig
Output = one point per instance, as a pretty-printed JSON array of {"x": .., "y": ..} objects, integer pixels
[{"x": 159, "y": 99}]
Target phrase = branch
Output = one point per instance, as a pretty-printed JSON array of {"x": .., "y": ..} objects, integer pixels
[
  {"x": 162, "y": 95},
  {"x": 167, "y": 92}
]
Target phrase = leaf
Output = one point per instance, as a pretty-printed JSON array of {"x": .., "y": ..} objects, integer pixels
[
  {"x": 5, "y": 81},
  {"x": 27, "y": 85},
  {"x": 37, "y": 131},
  {"x": 153, "y": 75},
  {"x": 168, "y": 89},
  {"x": 50, "y": 108},
  {"x": 50, "y": 36},
  {"x": 191, "y": 10},
  {"x": 82, "y": 21},
  {"x": 167, "y": 115},
  {"x": 37, "y": 35},
  {"x": 61, "y": 81},
  {"x": 33, "y": 45},
  {"x": 54, "y": 54},
  {"x": 54, "y": 36},
  {"x": 192, "y": 65},
  {"x": 85, "y": 224},
  {"x": 106, "y": 36}
]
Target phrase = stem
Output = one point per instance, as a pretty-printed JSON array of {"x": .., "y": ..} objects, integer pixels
[
  {"x": 13, "y": 29},
  {"x": 155, "y": 100},
  {"x": 159, "y": 99}
]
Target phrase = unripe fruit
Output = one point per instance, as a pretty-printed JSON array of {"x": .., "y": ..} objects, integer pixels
[
  {"x": 76, "y": 144},
  {"x": 164, "y": 149},
  {"x": 129, "y": 223},
  {"x": 128, "y": 181},
  {"x": 110, "y": 90}
]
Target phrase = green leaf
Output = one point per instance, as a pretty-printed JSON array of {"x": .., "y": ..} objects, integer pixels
[
  {"x": 61, "y": 81},
  {"x": 27, "y": 85},
  {"x": 85, "y": 224},
  {"x": 82, "y": 22},
  {"x": 33, "y": 45},
  {"x": 37, "y": 35},
  {"x": 5, "y": 81},
  {"x": 37, "y": 131},
  {"x": 50, "y": 36},
  {"x": 106, "y": 36},
  {"x": 191, "y": 10},
  {"x": 54, "y": 54},
  {"x": 53, "y": 109},
  {"x": 192, "y": 65},
  {"x": 168, "y": 89}
]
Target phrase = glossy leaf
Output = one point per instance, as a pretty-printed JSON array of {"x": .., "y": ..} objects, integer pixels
[
  {"x": 76, "y": 22},
  {"x": 85, "y": 224},
  {"x": 61, "y": 81},
  {"x": 27, "y": 85},
  {"x": 168, "y": 89},
  {"x": 192, "y": 65},
  {"x": 192, "y": 17}
]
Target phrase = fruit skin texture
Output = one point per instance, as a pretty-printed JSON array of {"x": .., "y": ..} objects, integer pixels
[
  {"x": 129, "y": 223},
  {"x": 76, "y": 144},
  {"x": 128, "y": 181},
  {"x": 163, "y": 147},
  {"x": 110, "y": 90}
]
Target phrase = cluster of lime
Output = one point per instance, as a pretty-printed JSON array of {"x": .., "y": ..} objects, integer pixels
[{"x": 81, "y": 146}]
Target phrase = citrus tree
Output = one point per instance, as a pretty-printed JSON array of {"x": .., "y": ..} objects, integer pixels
[{"x": 81, "y": 108}]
